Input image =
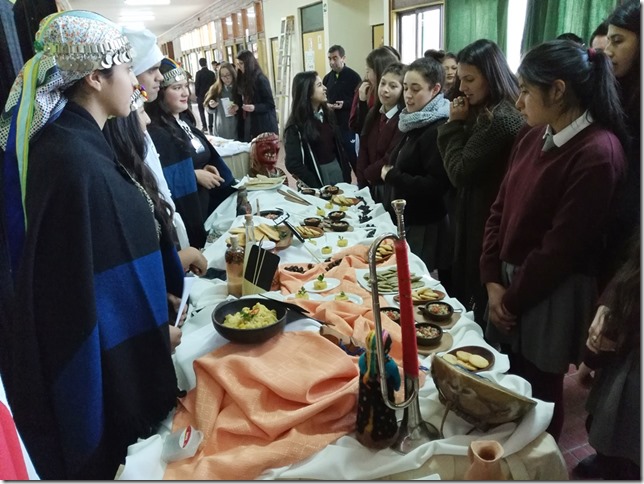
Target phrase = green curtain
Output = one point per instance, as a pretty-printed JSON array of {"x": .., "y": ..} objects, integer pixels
[
  {"x": 470, "y": 20},
  {"x": 546, "y": 19}
]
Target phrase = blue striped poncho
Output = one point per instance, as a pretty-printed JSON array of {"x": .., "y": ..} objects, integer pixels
[{"x": 86, "y": 360}]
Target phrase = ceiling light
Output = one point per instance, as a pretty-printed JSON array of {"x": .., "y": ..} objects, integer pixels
[
  {"x": 146, "y": 2},
  {"x": 135, "y": 16},
  {"x": 133, "y": 25}
]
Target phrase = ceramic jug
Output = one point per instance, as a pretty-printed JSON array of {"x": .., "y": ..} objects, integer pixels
[{"x": 485, "y": 461}]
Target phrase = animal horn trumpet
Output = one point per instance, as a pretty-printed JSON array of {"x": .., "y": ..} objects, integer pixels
[{"x": 414, "y": 431}]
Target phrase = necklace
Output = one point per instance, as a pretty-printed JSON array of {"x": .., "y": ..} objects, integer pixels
[{"x": 147, "y": 198}]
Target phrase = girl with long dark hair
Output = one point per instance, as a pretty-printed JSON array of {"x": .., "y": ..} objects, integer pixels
[
  {"x": 475, "y": 144},
  {"x": 612, "y": 366},
  {"x": 415, "y": 170},
  {"x": 197, "y": 176},
  {"x": 257, "y": 114},
  {"x": 312, "y": 140},
  {"x": 544, "y": 237},
  {"x": 623, "y": 49}
]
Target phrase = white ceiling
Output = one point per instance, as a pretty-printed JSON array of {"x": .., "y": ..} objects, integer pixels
[{"x": 166, "y": 17}]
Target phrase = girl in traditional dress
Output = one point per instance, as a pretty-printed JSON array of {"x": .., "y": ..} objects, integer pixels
[{"x": 86, "y": 357}]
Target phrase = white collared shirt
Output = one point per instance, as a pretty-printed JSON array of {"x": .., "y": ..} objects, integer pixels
[
  {"x": 391, "y": 113},
  {"x": 566, "y": 134}
]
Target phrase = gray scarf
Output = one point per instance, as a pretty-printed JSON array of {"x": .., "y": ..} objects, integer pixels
[{"x": 435, "y": 109}]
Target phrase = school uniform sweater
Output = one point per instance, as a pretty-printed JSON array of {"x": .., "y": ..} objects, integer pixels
[
  {"x": 551, "y": 212},
  {"x": 376, "y": 148}
]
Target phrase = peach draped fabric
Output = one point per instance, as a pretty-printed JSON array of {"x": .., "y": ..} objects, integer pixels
[
  {"x": 280, "y": 402},
  {"x": 265, "y": 406}
]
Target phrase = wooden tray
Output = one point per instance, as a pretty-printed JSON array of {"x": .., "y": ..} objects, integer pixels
[
  {"x": 445, "y": 344},
  {"x": 319, "y": 232}
]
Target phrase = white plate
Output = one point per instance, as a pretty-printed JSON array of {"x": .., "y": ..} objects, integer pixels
[
  {"x": 267, "y": 183},
  {"x": 360, "y": 273},
  {"x": 331, "y": 283},
  {"x": 352, "y": 297},
  {"x": 312, "y": 297}
]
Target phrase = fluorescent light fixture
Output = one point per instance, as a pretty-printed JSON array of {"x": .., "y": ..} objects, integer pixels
[
  {"x": 133, "y": 25},
  {"x": 139, "y": 3},
  {"x": 136, "y": 16}
]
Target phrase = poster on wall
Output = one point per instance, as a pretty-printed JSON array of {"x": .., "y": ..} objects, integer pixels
[{"x": 309, "y": 60}]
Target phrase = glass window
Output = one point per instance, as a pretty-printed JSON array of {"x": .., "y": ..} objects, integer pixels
[
  {"x": 516, "y": 23},
  {"x": 419, "y": 30}
]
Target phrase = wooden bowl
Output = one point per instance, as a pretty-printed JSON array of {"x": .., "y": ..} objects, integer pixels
[
  {"x": 336, "y": 215},
  {"x": 479, "y": 401}
]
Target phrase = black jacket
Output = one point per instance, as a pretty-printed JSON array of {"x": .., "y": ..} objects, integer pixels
[
  {"x": 203, "y": 80},
  {"x": 342, "y": 88},
  {"x": 299, "y": 158},
  {"x": 264, "y": 118},
  {"x": 418, "y": 175}
]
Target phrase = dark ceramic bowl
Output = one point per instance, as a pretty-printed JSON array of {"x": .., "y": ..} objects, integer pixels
[
  {"x": 249, "y": 336},
  {"x": 326, "y": 196},
  {"x": 336, "y": 215},
  {"x": 428, "y": 340},
  {"x": 332, "y": 189},
  {"x": 271, "y": 214},
  {"x": 307, "y": 191},
  {"x": 438, "y": 311},
  {"x": 340, "y": 226},
  {"x": 312, "y": 221},
  {"x": 392, "y": 312}
]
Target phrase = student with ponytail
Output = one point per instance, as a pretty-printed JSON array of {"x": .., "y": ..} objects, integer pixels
[{"x": 543, "y": 239}]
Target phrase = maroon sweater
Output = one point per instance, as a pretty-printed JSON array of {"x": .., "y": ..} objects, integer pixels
[
  {"x": 375, "y": 149},
  {"x": 551, "y": 212}
]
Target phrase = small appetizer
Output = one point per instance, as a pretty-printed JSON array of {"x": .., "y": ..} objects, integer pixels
[
  {"x": 320, "y": 212},
  {"x": 326, "y": 250},
  {"x": 320, "y": 283},
  {"x": 342, "y": 242},
  {"x": 302, "y": 294},
  {"x": 341, "y": 297}
]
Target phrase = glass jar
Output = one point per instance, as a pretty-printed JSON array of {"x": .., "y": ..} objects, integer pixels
[{"x": 234, "y": 267}]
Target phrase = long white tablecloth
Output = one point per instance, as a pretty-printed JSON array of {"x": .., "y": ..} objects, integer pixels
[{"x": 530, "y": 453}]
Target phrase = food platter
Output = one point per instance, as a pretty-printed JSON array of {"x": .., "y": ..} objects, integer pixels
[
  {"x": 309, "y": 232},
  {"x": 465, "y": 355},
  {"x": 387, "y": 277},
  {"x": 344, "y": 201},
  {"x": 417, "y": 302},
  {"x": 262, "y": 182}
]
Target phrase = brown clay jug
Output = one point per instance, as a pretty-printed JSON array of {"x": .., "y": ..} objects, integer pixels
[{"x": 485, "y": 461}]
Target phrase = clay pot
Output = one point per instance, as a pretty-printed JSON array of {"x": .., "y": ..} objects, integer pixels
[{"x": 485, "y": 461}]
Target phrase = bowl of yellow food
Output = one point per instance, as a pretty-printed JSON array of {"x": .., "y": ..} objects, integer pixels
[{"x": 249, "y": 320}]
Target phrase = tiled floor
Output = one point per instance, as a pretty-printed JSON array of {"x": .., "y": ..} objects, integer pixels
[{"x": 574, "y": 438}]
